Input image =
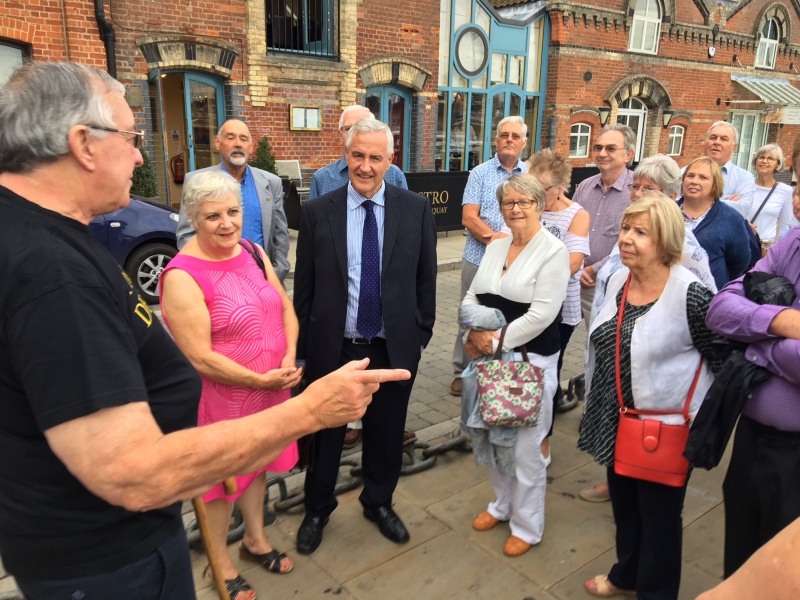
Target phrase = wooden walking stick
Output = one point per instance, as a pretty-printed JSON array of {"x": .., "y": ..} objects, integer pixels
[{"x": 229, "y": 485}]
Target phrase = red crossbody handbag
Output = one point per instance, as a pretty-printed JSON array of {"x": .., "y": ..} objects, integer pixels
[{"x": 647, "y": 448}]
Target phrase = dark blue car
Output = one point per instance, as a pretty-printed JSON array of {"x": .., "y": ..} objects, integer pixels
[{"x": 142, "y": 238}]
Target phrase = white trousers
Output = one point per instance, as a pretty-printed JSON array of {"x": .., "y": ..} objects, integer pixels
[{"x": 520, "y": 498}]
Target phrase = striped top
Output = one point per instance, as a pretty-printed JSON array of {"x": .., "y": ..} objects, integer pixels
[{"x": 558, "y": 224}]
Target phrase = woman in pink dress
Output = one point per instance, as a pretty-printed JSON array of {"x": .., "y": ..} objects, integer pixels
[{"x": 233, "y": 320}]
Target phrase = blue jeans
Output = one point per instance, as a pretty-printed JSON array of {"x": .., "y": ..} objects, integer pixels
[{"x": 165, "y": 574}]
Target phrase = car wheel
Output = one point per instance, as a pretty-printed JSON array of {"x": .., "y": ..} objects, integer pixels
[{"x": 145, "y": 266}]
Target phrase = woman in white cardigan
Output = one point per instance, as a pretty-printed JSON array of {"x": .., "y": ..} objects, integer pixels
[
  {"x": 525, "y": 276},
  {"x": 664, "y": 340}
]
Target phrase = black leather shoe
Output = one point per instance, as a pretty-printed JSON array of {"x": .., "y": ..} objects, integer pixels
[
  {"x": 388, "y": 522},
  {"x": 309, "y": 536}
]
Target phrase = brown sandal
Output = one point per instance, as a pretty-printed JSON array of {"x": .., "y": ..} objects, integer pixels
[
  {"x": 484, "y": 521},
  {"x": 516, "y": 547}
]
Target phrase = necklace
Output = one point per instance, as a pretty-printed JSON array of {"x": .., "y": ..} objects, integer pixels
[{"x": 506, "y": 263}]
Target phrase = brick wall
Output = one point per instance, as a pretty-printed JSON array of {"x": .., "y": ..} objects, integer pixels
[{"x": 593, "y": 45}]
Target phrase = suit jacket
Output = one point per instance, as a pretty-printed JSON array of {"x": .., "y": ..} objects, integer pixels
[
  {"x": 408, "y": 279},
  {"x": 273, "y": 219}
]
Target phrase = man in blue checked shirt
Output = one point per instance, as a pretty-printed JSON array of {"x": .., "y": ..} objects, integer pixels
[{"x": 481, "y": 216}]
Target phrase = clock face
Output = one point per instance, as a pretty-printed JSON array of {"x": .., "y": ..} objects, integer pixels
[{"x": 471, "y": 51}]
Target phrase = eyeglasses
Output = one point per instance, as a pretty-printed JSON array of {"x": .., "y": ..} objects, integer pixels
[
  {"x": 523, "y": 204},
  {"x": 135, "y": 139},
  {"x": 644, "y": 188},
  {"x": 610, "y": 149},
  {"x": 766, "y": 158}
]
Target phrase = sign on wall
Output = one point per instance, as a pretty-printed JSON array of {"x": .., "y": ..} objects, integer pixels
[{"x": 444, "y": 190}]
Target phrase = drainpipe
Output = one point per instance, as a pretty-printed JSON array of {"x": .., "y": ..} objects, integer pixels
[{"x": 108, "y": 37}]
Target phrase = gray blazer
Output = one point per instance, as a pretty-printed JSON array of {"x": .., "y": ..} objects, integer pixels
[{"x": 273, "y": 218}]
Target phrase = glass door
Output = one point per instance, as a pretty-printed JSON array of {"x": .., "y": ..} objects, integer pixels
[
  {"x": 204, "y": 114},
  {"x": 392, "y": 105}
]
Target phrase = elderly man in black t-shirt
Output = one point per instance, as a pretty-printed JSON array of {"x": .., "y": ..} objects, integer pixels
[{"x": 97, "y": 405}]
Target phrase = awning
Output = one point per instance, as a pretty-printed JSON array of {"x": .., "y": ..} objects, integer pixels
[{"x": 771, "y": 90}]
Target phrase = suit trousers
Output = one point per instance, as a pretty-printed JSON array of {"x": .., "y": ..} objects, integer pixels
[
  {"x": 460, "y": 357},
  {"x": 649, "y": 536},
  {"x": 382, "y": 441},
  {"x": 761, "y": 489}
]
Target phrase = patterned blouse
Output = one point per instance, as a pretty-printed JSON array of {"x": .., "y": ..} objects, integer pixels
[{"x": 598, "y": 429}]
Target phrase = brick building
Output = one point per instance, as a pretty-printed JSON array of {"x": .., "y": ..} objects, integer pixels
[
  {"x": 670, "y": 68},
  {"x": 287, "y": 68}
]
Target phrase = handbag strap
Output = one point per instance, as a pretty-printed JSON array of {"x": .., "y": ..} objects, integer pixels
[
  {"x": 617, "y": 352},
  {"x": 758, "y": 212},
  {"x": 252, "y": 251},
  {"x": 499, "y": 352}
]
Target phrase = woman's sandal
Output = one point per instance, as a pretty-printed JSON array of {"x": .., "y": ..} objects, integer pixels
[
  {"x": 271, "y": 561},
  {"x": 233, "y": 586},
  {"x": 601, "y": 587}
]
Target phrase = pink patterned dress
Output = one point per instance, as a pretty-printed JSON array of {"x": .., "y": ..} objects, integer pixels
[{"x": 247, "y": 327}]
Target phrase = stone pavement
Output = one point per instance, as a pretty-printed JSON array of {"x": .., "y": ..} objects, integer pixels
[{"x": 446, "y": 558}]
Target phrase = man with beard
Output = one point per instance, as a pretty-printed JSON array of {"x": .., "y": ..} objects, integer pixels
[{"x": 262, "y": 196}]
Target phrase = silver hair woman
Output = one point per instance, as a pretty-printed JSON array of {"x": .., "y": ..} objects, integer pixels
[
  {"x": 41, "y": 103},
  {"x": 232, "y": 319},
  {"x": 209, "y": 186},
  {"x": 525, "y": 277},
  {"x": 771, "y": 212}
]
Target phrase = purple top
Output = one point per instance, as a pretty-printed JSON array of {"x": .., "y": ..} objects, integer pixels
[{"x": 776, "y": 402}]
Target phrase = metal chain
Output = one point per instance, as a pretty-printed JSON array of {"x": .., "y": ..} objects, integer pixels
[{"x": 429, "y": 453}]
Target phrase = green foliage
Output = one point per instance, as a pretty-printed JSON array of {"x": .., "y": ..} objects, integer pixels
[
  {"x": 264, "y": 158},
  {"x": 144, "y": 179}
]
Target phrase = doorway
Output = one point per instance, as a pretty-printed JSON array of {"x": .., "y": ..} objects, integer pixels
[
  {"x": 188, "y": 109},
  {"x": 392, "y": 105}
]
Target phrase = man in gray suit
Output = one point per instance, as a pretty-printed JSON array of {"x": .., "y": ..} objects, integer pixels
[{"x": 262, "y": 196}]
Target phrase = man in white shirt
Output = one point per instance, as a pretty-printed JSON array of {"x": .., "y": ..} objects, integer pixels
[{"x": 740, "y": 185}]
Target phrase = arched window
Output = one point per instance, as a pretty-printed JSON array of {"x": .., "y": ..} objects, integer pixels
[
  {"x": 675, "y": 143},
  {"x": 646, "y": 27},
  {"x": 768, "y": 45},
  {"x": 579, "y": 136}
]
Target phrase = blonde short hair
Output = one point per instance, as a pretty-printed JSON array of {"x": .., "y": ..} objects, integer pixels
[
  {"x": 666, "y": 223},
  {"x": 717, "y": 182}
]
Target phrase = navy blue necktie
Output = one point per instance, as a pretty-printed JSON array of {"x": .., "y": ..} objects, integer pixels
[{"x": 368, "y": 320}]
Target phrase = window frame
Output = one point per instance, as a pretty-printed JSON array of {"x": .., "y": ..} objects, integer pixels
[
  {"x": 577, "y": 135},
  {"x": 640, "y": 22},
  {"x": 23, "y": 49},
  {"x": 765, "y": 43},
  {"x": 676, "y": 132},
  {"x": 282, "y": 25}
]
